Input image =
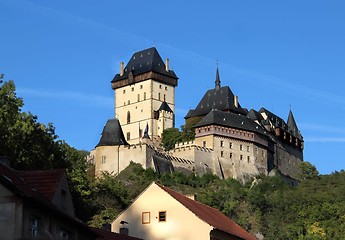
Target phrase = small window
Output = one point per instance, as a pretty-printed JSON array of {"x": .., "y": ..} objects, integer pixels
[
  {"x": 124, "y": 91},
  {"x": 144, "y": 95},
  {"x": 204, "y": 143},
  {"x": 248, "y": 148},
  {"x": 159, "y": 96},
  {"x": 248, "y": 159},
  {"x": 138, "y": 97},
  {"x": 104, "y": 159},
  {"x": 164, "y": 98},
  {"x": 166, "y": 88},
  {"x": 162, "y": 216},
  {"x": 141, "y": 86},
  {"x": 241, "y": 157},
  {"x": 145, "y": 218},
  {"x": 230, "y": 155},
  {"x": 128, "y": 117},
  {"x": 241, "y": 147},
  {"x": 230, "y": 145},
  {"x": 34, "y": 226},
  {"x": 132, "y": 89},
  {"x": 221, "y": 153},
  {"x": 128, "y": 102},
  {"x": 160, "y": 86},
  {"x": 221, "y": 143},
  {"x": 128, "y": 136}
]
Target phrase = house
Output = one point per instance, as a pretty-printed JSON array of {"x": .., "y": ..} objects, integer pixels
[
  {"x": 162, "y": 213},
  {"x": 38, "y": 205}
]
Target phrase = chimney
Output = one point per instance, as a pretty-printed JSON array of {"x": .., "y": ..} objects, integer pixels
[
  {"x": 236, "y": 101},
  {"x": 167, "y": 64},
  {"x": 124, "y": 228},
  {"x": 121, "y": 68}
]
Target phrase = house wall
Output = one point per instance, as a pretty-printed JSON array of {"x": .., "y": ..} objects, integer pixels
[{"x": 180, "y": 222}]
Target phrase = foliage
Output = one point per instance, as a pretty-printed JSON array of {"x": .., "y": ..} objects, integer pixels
[
  {"x": 308, "y": 170},
  {"x": 170, "y": 136}
]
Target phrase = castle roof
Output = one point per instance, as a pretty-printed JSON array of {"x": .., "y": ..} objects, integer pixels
[
  {"x": 227, "y": 119},
  {"x": 220, "y": 98},
  {"x": 112, "y": 134},
  {"x": 254, "y": 115},
  {"x": 292, "y": 124},
  {"x": 274, "y": 119},
  {"x": 164, "y": 106},
  {"x": 145, "y": 61}
]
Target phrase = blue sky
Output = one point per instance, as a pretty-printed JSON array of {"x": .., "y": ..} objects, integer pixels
[{"x": 63, "y": 54}]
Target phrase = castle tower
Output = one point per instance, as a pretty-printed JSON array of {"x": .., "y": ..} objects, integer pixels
[{"x": 145, "y": 95}]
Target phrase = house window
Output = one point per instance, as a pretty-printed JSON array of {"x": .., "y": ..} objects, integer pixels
[
  {"x": 104, "y": 159},
  {"x": 128, "y": 136},
  {"x": 221, "y": 153},
  {"x": 204, "y": 143},
  {"x": 145, "y": 218},
  {"x": 162, "y": 216},
  {"x": 128, "y": 117},
  {"x": 221, "y": 143},
  {"x": 241, "y": 147},
  {"x": 248, "y": 148},
  {"x": 34, "y": 226}
]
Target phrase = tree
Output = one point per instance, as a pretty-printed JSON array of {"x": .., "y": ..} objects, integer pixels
[
  {"x": 170, "y": 137},
  {"x": 308, "y": 170}
]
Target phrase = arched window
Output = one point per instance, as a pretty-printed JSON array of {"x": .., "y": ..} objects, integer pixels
[{"x": 128, "y": 117}]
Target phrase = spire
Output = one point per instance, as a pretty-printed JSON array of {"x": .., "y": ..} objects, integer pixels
[
  {"x": 292, "y": 123},
  {"x": 217, "y": 78}
]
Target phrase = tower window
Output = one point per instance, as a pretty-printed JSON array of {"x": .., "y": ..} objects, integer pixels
[
  {"x": 160, "y": 86},
  {"x": 124, "y": 91},
  {"x": 241, "y": 147},
  {"x": 164, "y": 98},
  {"x": 248, "y": 159},
  {"x": 159, "y": 96},
  {"x": 144, "y": 95},
  {"x": 248, "y": 148},
  {"x": 241, "y": 157},
  {"x": 141, "y": 86},
  {"x": 166, "y": 88},
  {"x": 128, "y": 117},
  {"x": 221, "y": 153},
  {"x": 230, "y": 155},
  {"x": 230, "y": 145},
  {"x": 132, "y": 89},
  {"x": 128, "y": 136},
  {"x": 204, "y": 143},
  {"x": 138, "y": 97},
  {"x": 221, "y": 143}
]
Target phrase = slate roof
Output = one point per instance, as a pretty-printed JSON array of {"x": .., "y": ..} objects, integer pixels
[
  {"x": 292, "y": 124},
  {"x": 274, "y": 119},
  {"x": 45, "y": 182},
  {"x": 210, "y": 215},
  {"x": 254, "y": 115},
  {"x": 232, "y": 120},
  {"x": 112, "y": 134},
  {"x": 220, "y": 98},
  {"x": 164, "y": 106},
  {"x": 145, "y": 61}
]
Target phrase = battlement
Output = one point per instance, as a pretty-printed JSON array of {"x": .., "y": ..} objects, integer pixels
[{"x": 182, "y": 146}]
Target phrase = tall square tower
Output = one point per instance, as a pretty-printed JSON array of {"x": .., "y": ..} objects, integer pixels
[{"x": 145, "y": 95}]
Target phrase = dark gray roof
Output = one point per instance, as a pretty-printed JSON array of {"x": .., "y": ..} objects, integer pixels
[
  {"x": 254, "y": 115},
  {"x": 292, "y": 125},
  {"x": 221, "y": 99},
  {"x": 274, "y": 119},
  {"x": 112, "y": 134},
  {"x": 145, "y": 61},
  {"x": 164, "y": 106},
  {"x": 227, "y": 119}
]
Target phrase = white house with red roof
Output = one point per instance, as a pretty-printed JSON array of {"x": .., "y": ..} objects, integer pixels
[{"x": 162, "y": 213}]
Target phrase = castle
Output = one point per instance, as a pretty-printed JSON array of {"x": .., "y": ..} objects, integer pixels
[{"x": 230, "y": 141}]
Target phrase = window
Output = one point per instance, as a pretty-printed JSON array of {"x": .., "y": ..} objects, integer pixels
[
  {"x": 128, "y": 117},
  {"x": 230, "y": 155},
  {"x": 144, "y": 95},
  {"x": 63, "y": 198},
  {"x": 160, "y": 86},
  {"x": 128, "y": 136},
  {"x": 104, "y": 159},
  {"x": 164, "y": 97},
  {"x": 138, "y": 97},
  {"x": 159, "y": 96},
  {"x": 241, "y": 147},
  {"x": 132, "y": 89},
  {"x": 34, "y": 226},
  {"x": 166, "y": 88},
  {"x": 221, "y": 153},
  {"x": 221, "y": 143},
  {"x": 230, "y": 145},
  {"x": 248, "y": 159},
  {"x": 141, "y": 86},
  {"x": 128, "y": 102},
  {"x": 241, "y": 157},
  {"x": 162, "y": 216},
  {"x": 204, "y": 143},
  {"x": 145, "y": 218},
  {"x": 248, "y": 148},
  {"x": 124, "y": 91}
]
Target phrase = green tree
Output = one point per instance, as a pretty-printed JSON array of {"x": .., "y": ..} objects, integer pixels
[
  {"x": 308, "y": 170},
  {"x": 170, "y": 137}
]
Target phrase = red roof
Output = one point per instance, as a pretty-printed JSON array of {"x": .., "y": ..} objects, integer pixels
[
  {"x": 44, "y": 182},
  {"x": 210, "y": 215}
]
